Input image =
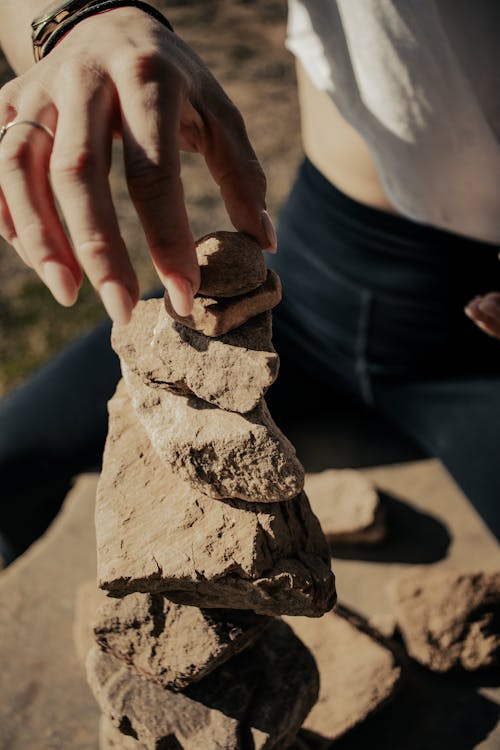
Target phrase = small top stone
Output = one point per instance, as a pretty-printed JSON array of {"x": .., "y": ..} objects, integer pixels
[{"x": 231, "y": 263}]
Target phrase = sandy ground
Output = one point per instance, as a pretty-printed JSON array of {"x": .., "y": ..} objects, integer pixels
[{"x": 242, "y": 42}]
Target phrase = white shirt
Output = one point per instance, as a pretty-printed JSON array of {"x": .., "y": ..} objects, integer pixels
[{"x": 420, "y": 81}]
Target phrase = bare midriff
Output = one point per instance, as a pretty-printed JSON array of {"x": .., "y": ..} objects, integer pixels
[{"x": 336, "y": 149}]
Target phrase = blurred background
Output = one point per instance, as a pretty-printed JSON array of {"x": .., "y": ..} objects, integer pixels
[{"x": 242, "y": 41}]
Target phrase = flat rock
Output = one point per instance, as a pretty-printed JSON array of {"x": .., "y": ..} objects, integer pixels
[
  {"x": 231, "y": 263},
  {"x": 169, "y": 643},
  {"x": 45, "y": 702},
  {"x": 358, "y": 674},
  {"x": 232, "y": 372},
  {"x": 347, "y": 505},
  {"x": 215, "y": 316},
  {"x": 260, "y": 698},
  {"x": 449, "y": 619},
  {"x": 156, "y": 534},
  {"x": 223, "y": 454}
]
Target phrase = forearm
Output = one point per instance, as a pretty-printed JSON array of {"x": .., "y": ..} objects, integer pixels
[{"x": 15, "y": 31}]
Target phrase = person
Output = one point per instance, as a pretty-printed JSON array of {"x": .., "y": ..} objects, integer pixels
[{"x": 390, "y": 230}]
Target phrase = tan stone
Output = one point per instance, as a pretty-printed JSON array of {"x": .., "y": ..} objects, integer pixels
[
  {"x": 223, "y": 454},
  {"x": 89, "y": 598},
  {"x": 156, "y": 534},
  {"x": 215, "y": 316},
  {"x": 169, "y": 643},
  {"x": 358, "y": 674},
  {"x": 110, "y": 738},
  {"x": 231, "y": 263},
  {"x": 347, "y": 505},
  {"x": 232, "y": 372},
  {"x": 262, "y": 694},
  {"x": 449, "y": 619},
  {"x": 45, "y": 702}
]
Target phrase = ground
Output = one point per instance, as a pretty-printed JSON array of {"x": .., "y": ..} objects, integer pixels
[{"x": 242, "y": 41}]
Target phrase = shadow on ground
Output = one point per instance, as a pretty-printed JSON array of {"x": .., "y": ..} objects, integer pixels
[{"x": 414, "y": 537}]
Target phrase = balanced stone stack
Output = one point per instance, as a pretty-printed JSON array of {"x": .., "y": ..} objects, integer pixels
[{"x": 204, "y": 533}]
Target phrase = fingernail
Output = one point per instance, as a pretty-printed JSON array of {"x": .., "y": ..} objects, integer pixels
[
  {"x": 117, "y": 301},
  {"x": 61, "y": 282},
  {"x": 181, "y": 295},
  {"x": 270, "y": 232}
]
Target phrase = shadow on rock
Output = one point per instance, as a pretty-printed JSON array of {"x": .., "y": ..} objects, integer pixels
[
  {"x": 431, "y": 711},
  {"x": 412, "y": 537}
]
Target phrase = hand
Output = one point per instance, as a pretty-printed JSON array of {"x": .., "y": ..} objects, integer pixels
[
  {"x": 485, "y": 312},
  {"x": 119, "y": 73}
]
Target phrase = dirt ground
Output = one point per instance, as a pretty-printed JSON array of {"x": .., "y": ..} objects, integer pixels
[{"x": 242, "y": 41}]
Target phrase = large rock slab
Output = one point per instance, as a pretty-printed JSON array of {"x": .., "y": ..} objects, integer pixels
[
  {"x": 215, "y": 316},
  {"x": 259, "y": 699},
  {"x": 347, "y": 505},
  {"x": 358, "y": 673},
  {"x": 232, "y": 372},
  {"x": 173, "y": 644},
  {"x": 222, "y": 454},
  {"x": 231, "y": 263},
  {"x": 156, "y": 534},
  {"x": 449, "y": 619},
  {"x": 45, "y": 702}
]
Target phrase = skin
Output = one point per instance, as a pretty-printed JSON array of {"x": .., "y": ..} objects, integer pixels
[
  {"x": 158, "y": 96},
  {"x": 151, "y": 90},
  {"x": 340, "y": 153}
]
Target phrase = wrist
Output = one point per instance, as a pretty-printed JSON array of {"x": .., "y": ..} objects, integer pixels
[{"x": 59, "y": 19}]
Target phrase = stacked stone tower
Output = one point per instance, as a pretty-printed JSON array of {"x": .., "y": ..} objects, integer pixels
[{"x": 204, "y": 534}]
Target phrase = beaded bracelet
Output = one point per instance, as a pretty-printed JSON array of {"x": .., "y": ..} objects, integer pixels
[{"x": 94, "y": 10}]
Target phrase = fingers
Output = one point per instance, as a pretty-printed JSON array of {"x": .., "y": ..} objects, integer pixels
[
  {"x": 79, "y": 169},
  {"x": 24, "y": 158},
  {"x": 8, "y": 232},
  {"x": 236, "y": 169},
  {"x": 485, "y": 312},
  {"x": 150, "y": 112}
]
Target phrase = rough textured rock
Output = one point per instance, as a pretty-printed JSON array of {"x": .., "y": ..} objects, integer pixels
[
  {"x": 110, "y": 738},
  {"x": 347, "y": 505},
  {"x": 449, "y": 619},
  {"x": 358, "y": 674},
  {"x": 260, "y": 698},
  {"x": 232, "y": 372},
  {"x": 215, "y": 316},
  {"x": 156, "y": 534},
  {"x": 221, "y": 453},
  {"x": 231, "y": 263},
  {"x": 169, "y": 643}
]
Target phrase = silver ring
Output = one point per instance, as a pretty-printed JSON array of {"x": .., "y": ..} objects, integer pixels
[{"x": 34, "y": 123}]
